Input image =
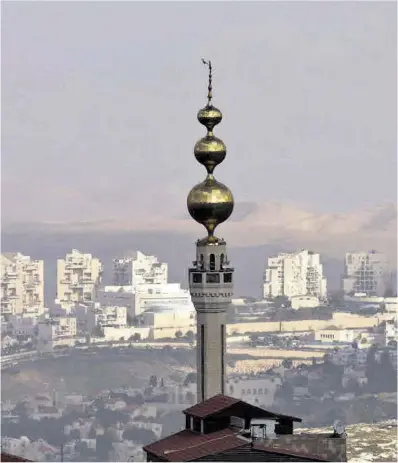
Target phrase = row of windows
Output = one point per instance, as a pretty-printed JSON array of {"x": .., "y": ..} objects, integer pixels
[
  {"x": 212, "y": 277},
  {"x": 255, "y": 391}
]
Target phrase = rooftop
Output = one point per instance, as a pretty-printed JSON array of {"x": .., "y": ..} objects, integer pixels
[{"x": 221, "y": 403}]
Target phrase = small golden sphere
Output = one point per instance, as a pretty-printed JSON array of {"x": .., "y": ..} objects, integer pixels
[
  {"x": 210, "y": 203},
  {"x": 209, "y": 117},
  {"x": 210, "y": 151}
]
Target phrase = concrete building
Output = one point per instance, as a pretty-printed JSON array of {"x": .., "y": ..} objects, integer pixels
[
  {"x": 139, "y": 269},
  {"x": 143, "y": 297},
  {"x": 165, "y": 317},
  {"x": 296, "y": 274},
  {"x": 304, "y": 302},
  {"x": 22, "y": 284},
  {"x": 78, "y": 278},
  {"x": 93, "y": 315},
  {"x": 366, "y": 272},
  {"x": 22, "y": 326},
  {"x": 330, "y": 336},
  {"x": 54, "y": 329}
]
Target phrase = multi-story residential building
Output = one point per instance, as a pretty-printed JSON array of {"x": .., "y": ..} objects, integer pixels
[
  {"x": 366, "y": 272},
  {"x": 296, "y": 274},
  {"x": 22, "y": 285},
  {"x": 93, "y": 315},
  {"x": 54, "y": 329},
  {"x": 78, "y": 278},
  {"x": 139, "y": 269}
]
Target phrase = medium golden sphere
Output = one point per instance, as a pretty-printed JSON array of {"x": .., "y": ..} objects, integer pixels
[
  {"x": 210, "y": 203},
  {"x": 210, "y": 151},
  {"x": 209, "y": 117}
]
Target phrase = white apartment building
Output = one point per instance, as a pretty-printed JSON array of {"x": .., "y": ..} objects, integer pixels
[
  {"x": 22, "y": 284},
  {"x": 78, "y": 278},
  {"x": 366, "y": 272},
  {"x": 296, "y": 274},
  {"x": 139, "y": 269},
  {"x": 55, "y": 328},
  {"x": 94, "y": 315},
  {"x": 142, "y": 297}
]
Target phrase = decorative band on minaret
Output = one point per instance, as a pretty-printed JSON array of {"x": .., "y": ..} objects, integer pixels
[{"x": 210, "y": 203}]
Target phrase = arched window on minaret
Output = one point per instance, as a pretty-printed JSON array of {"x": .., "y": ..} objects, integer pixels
[
  {"x": 221, "y": 261},
  {"x": 201, "y": 263},
  {"x": 212, "y": 262}
]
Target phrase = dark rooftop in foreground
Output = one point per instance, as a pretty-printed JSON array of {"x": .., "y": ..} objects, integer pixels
[
  {"x": 226, "y": 429},
  {"x": 7, "y": 457}
]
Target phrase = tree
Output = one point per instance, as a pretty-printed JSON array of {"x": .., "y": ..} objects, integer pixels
[
  {"x": 141, "y": 436},
  {"x": 136, "y": 337},
  {"x": 74, "y": 434},
  {"x": 161, "y": 383},
  {"x": 178, "y": 334},
  {"x": 287, "y": 363},
  {"x": 153, "y": 381},
  {"x": 190, "y": 335}
]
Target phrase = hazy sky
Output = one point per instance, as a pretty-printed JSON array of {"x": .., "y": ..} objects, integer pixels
[{"x": 99, "y": 104}]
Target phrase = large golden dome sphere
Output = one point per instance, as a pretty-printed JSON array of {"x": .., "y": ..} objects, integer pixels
[
  {"x": 210, "y": 151},
  {"x": 210, "y": 203},
  {"x": 209, "y": 117}
]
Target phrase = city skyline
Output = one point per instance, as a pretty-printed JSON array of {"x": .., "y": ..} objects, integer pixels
[{"x": 340, "y": 79}]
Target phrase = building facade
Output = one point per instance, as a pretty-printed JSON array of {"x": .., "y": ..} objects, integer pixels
[
  {"x": 139, "y": 269},
  {"x": 367, "y": 273},
  {"x": 210, "y": 203},
  {"x": 295, "y": 274},
  {"x": 22, "y": 284},
  {"x": 78, "y": 278},
  {"x": 146, "y": 296}
]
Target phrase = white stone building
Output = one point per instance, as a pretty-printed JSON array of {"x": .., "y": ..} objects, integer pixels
[
  {"x": 304, "y": 302},
  {"x": 89, "y": 316},
  {"x": 366, "y": 272},
  {"x": 139, "y": 269},
  {"x": 78, "y": 278},
  {"x": 22, "y": 285},
  {"x": 330, "y": 336},
  {"x": 296, "y": 274},
  {"x": 55, "y": 329},
  {"x": 143, "y": 297}
]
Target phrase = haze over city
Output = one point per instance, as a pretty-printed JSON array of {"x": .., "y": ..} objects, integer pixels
[{"x": 148, "y": 317}]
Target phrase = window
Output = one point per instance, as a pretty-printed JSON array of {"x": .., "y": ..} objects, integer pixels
[
  {"x": 221, "y": 260},
  {"x": 196, "y": 278},
  {"x": 227, "y": 277},
  {"x": 212, "y": 262},
  {"x": 260, "y": 391},
  {"x": 212, "y": 278}
]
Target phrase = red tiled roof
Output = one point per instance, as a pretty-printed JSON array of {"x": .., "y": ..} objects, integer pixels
[
  {"x": 187, "y": 445},
  {"x": 287, "y": 451},
  {"x": 7, "y": 457},
  {"x": 213, "y": 405}
]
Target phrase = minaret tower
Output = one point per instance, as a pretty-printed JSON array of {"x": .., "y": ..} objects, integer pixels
[{"x": 211, "y": 278}]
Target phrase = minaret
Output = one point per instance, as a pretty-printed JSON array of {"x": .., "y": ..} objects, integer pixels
[{"x": 211, "y": 278}]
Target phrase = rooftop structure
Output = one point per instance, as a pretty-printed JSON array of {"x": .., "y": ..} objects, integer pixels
[
  {"x": 295, "y": 274},
  {"x": 210, "y": 203},
  {"x": 139, "y": 269},
  {"x": 226, "y": 429},
  {"x": 22, "y": 286}
]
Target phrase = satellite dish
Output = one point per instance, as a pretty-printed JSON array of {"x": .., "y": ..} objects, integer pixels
[{"x": 339, "y": 428}]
